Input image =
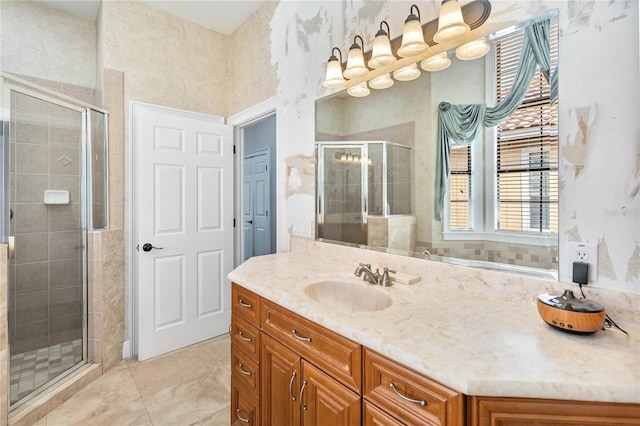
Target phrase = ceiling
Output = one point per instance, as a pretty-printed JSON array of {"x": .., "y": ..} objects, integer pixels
[{"x": 223, "y": 16}]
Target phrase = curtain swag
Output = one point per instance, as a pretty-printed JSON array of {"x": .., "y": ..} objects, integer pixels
[{"x": 460, "y": 124}]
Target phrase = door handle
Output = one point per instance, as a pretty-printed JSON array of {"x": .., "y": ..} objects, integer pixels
[
  {"x": 149, "y": 247},
  {"x": 250, "y": 222}
]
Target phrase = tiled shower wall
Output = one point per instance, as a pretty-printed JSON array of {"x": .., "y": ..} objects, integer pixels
[{"x": 46, "y": 274}]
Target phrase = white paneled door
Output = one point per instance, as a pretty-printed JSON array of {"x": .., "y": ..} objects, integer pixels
[
  {"x": 257, "y": 228},
  {"x": 184, "y": 227}
]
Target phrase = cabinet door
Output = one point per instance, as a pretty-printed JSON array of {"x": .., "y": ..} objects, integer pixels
[
  {"x": 373, "y": 416},
  {"x": 325, "y": 402},
  {"x": 280, "y": 376}
]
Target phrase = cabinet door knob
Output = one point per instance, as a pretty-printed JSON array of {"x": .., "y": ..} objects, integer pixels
[
  {"x": 304, "y": 385},
  {"x": 416, "y": 401},
  {"x": 242, "y": 419},
  {"x": 297, "y": 336},
  {"x": 293, "y": 377}
]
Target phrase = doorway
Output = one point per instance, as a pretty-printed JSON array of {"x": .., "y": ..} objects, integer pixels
[{"x": 258, "y": 192}]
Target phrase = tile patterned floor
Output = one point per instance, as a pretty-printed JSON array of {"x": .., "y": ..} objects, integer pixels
[
  {"x": 30, "y": 370},
  {"x": 191, "y": 386}
]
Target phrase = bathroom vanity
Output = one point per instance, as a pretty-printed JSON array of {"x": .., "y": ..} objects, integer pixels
[{"x": 436, "y": 355}]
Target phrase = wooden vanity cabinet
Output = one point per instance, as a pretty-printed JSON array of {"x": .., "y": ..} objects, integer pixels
[
  {"x": 393, "y": 391},
  {"x": 245, "y": 357},
  {"x": 490, "y": 411}
]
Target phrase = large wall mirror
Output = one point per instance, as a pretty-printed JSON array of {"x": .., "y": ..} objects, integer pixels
[{"x": 376, "y": 173}]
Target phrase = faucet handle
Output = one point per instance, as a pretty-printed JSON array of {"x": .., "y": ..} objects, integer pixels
[
  {"x": 385, "y": 280},
  {"x": 367, "y": 265}
]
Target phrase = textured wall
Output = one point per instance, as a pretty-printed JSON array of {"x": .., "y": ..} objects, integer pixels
[
  {"x": 47, "y": 43},
  {"x": 598, "y": 111},
  {"x": 166, "y": 60}
]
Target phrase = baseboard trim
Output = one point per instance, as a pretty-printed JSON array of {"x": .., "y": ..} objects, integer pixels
[{"x": 126, "y": 349}]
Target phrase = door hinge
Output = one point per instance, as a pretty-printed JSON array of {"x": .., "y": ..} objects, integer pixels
[
  {"x": 234, "y": 222},
  {"x": 234, "y": 149}
]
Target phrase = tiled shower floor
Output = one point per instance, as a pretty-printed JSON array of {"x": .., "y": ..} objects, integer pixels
[{"x": 32, "y": 369}]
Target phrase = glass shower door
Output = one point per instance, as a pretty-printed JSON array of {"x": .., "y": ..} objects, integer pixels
[
  {"x": 47, "y": 212},
  {"x": 340, "y": 180}
]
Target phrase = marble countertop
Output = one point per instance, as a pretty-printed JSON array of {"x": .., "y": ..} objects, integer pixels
[{"x": 476, "y": 345}]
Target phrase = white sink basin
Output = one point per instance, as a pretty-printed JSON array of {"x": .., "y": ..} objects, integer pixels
[{"x": 348, "y": 295}]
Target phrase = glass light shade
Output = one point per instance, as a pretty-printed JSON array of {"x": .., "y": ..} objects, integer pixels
[
  {"x": 436, "y": 63},
  {"x": 343, "y": 157},
  {"x": 412, "y": 38},
  {"x": 334, "y": 78},
  {"x": 350, "y": 157},
  {"x": 408, "y": 73},
  {"x": 381, "y": 55},
  {"x": 381, "y": 82},
  {"x": 450, "y": 22},
  {"x": 355, "y": 63},
  {"x": 359, "y": 90},
  {"x": 473, "y": 50}
]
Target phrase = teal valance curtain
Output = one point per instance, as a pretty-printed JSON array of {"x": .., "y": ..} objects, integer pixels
[{"x": 460, "y": 124}]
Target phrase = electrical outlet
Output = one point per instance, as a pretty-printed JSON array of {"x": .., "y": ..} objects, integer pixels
[{"x": 587, "y": 253}]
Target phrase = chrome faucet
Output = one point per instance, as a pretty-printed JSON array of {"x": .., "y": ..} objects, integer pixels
[
  {"x": 374, "y": 277},
  {"x": 369, "y": 276}
]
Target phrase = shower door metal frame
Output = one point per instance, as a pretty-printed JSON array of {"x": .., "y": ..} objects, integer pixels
[
  {"x": 320, "y": 178},
  {"x": 8, "y": 84}
]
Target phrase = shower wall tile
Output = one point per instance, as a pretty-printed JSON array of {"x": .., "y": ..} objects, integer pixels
[
  {"x": 30, "y": 187},
  {"x": 31, "y": 218},
  {"x": 31, "y": 128},
  {"x": 32, "y": 158},
  {"x": 31, "y": 105},
  {"x": 68, "y": 183},
  {"x": 34, "y": 331},
  {"x": 32, "y": 248},
  {"x": 63, "y": 301},
  {"x": 65, "y": 245},
  {"x": 69, "y": 322},
  {"x": 4, "y": 335},
  {"x": 64, "y": 217},
  {"x": 114, "y": 102},
  {"x": 31, "y": 307},
  {"x": 32, "y": 277},
  {"x": 113, "y": 297},
  {"x": 64, "y": 273},
  {"x": 64, "y": 136},
  {"x": 65, "y": 161}
]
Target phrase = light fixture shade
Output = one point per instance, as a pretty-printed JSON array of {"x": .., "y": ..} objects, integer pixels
[
  {"x": 408, "y": 73},
  {"x": 412, "y": 36},
  {"x": 334, "y": 78},
  {"x": 381, "y": 82},
  {"x": 359, "y": 90},
  {"x": 355, "y": 61},
  {"x": 473, "y": 50},
  {"x": 451, "y": 25},
  {"x": 436, "y": 63},
  {"x": 381, "y": 54}
]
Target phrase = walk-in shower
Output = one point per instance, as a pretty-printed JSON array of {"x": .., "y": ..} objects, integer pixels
[
  {"x": 364, "y": 193},
  {"x": 54, "y": 191}
]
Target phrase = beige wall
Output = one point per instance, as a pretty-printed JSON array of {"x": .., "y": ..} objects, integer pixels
[{"x": 39, "y": 41}]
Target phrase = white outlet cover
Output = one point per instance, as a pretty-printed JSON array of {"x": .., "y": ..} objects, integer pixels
[{"x": 576, "y": 253}]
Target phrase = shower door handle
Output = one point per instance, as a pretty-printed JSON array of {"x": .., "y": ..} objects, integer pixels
[{"x": 149, "y": 247}]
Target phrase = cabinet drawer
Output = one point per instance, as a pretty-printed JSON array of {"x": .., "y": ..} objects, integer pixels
[
  {"x": 373, "y": 416},
  {"x": 434, "y": 403},
  {"x": 246, "y": 304},
  {"x": 246, "y": 337},
  {"x": 336, "y": 355},
  {"x": 245, "y": 370},
  {"x": 245, "y": 407}
]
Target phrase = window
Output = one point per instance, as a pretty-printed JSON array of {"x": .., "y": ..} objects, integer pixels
[{"x": 523, "y": 168}]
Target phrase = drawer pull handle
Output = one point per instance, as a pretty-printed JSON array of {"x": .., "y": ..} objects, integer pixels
[
  {"x": 246, "y": 339},
  {"x": 243, "y": 371},
  {"x": 295, "y": 334},
  {"x": 246, "y": 305},
  {"x": 242, "y": 419},
  {"x": 293, "y": 376},
  {"x": 304, "y": 385},
  {"x": 417, "y": 401}
]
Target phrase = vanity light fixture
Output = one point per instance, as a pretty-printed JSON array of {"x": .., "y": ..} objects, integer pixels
[
  {"x": 412, "y": 35},
  {"x": 381, "y": 82},
  {"x": 381, "y": 54},
  {"x": 334, "y": 78},
  {"x": 473, "y": 50},
  {"x": 359, "y": 90},
  {"x": 451, "y": 25},
  {"x": 408, "y": 73},
  {"x": 436, "y": 63},
  {"x": 355, "y": 60}
]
